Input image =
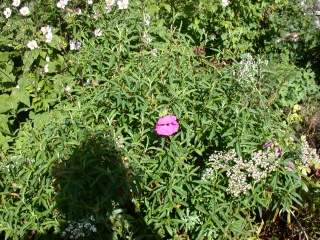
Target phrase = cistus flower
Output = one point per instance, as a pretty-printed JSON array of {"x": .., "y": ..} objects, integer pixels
[
  {"x": 47, "y": 32},
  {"x": 7, "y": 12},
  {"x": 123, "y": 4},
  {"x": 24, "y": 11},
  {"x": 16, "y": 3},
  {"x": 62, "y": 4},
  {"x": 225, "y": 3},
  {"x": 167, "y": 125},
  {"x": 109, "y": 5},
  {"x": 97, "y": 32},
  {"x": 74, "y": 45},
  {"x": 32, "y": 45}
]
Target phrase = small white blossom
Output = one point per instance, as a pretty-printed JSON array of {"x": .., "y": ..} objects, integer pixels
[
  {"x": 146, "y": 38},
  {"x": 74, "y": 45},
  {"x": 24, "y": 11},
  {"x": 32, "y": 45},
  {"x": 47, "y": 32},
  {"x": 62, "y": 4},
  {"x": 46, "y": 68},
  {"x": 7, "y": 12},
  {"x": 154, "y": 52},
  {"x": 225, "y": 3},
  {"x": 119, "y": 142},
  {"x": 109, "y": 5},
  {"x": 123, "y": 4},
  {"x": 90, "y": 2},
  {"x": 68, "y": 89},
  {"x": 96, "y": 16},
  {"x": 47, "y": 59},
  {"x": 97, "y": 32},
  {"x": 78, "y": 11},
  {"x": 16, "y": 3}
]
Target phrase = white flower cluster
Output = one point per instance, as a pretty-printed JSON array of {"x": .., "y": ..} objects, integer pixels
[
  {"x": 119, "y": 142},
  {"x": 146, "y": 37},
  {"x": 261, "y": 164},
  {"x": 82, "y": 229},
  {"x": 309, "y": 156},
  {"x": 146, "y": 20},
  {"x": 249, "y": 69},
  {"x": 74, "y": 45},
  {"x": 241, "y": 174}
]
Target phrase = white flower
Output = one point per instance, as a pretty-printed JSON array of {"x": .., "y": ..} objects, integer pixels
[
  {"x": 47, "y": 59},
  {"x": 95, "y": 16},
  {"x": 97, "y": 32},
  {"x": 123, "y": 4},
  {"x": 225, "y": 3},
  {"x": 7, "y": 12},
  {"x": 78, "y": 11},
  {"x": 146, "y": 38},
  {"x": 47, "y": 32},
  {"x": 109, "y": 5},
  {"x": 62, "y": 4},
  {"x": 32, "y": 45},
  {"x": 46, "y": 68},
  {"x": 68, "y": 89},
  {"x": 24, "y": 11},
  {"x": 16, "y": 3},
  {"x": 74, "y": 45},
  {"x": 154, "y": 52},
  {"x": 110, "y": 2},
  {"x": 90, "y": 2}
]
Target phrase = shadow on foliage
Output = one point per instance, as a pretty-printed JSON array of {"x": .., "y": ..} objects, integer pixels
[{"x": 95, "y": 194}]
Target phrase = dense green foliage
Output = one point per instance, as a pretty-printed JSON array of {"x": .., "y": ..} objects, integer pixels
[{"x": 79, "y": 154}]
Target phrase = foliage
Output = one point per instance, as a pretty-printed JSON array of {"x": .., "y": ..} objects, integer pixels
[{"x": 242, "y": 26}]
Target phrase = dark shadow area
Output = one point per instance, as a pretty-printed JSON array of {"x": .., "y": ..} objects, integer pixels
[{"x": 95, "y": 192}]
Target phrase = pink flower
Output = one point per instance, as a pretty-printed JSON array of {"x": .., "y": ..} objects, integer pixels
[{"x": 167, "y": 125}]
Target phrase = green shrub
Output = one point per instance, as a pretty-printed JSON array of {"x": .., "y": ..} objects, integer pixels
[{"x": 217, "y": 110}]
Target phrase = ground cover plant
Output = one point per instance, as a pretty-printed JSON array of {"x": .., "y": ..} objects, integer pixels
[{"x": 159, "y": 120}]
